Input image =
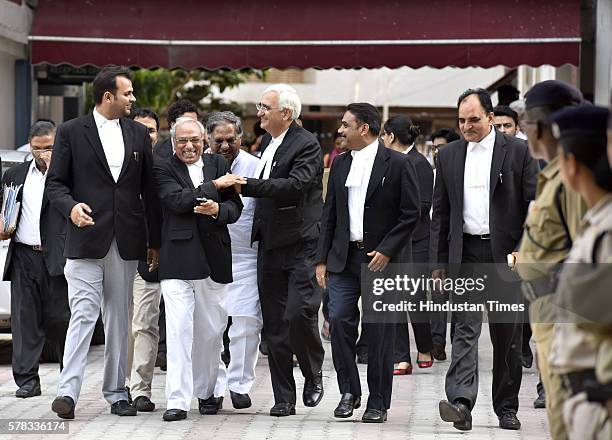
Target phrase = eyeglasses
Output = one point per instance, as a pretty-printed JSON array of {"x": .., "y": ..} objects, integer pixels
[
  {"x": 220, "y": 142},
  {"x": 265, "y": 108},
  {"x": 194, "y": 141}
]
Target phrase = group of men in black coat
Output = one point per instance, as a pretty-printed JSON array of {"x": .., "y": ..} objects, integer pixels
[{"x": 102, "y": 181}]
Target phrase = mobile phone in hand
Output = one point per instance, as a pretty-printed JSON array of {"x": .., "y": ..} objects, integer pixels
[{"x": 202, "y": 199}]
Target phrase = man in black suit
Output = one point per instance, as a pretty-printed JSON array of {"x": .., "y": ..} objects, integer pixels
[
  {"x": 483, "y": 187},
  {"x": 35, "y": 265},
  {"x": 286, "y": 224},
  {"x": 101, "y": 180},
  {"x": 371, "y": 210},
  {"x": 195, "y": 267}
]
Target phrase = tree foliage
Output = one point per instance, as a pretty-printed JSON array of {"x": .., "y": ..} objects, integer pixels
[{"x": 159, "y": 88}]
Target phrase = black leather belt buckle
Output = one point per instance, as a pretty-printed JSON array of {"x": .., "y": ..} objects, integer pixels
[
  {"x": 485, "y": 236},
  {"x": 37, "y": 248},
  {"x": 357, "y": 244}
]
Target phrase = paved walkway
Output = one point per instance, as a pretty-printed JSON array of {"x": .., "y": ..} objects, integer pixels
[{"x": 414, "y": 412}]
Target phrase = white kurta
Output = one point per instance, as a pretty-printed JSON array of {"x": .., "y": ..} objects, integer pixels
[{"x": 242, "y": 294}]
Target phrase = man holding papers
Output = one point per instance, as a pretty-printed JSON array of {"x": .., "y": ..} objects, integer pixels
[{"x": 34, "y": 262}]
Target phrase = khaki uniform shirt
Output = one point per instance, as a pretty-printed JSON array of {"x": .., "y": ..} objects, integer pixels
[
  {"x": 544, "y": 243},
  {"x": 574, "y": 348}
]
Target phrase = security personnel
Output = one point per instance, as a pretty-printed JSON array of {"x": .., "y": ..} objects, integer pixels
[
  {"x": 582, "y": 346},
  {"x": 552, "y": 222}
]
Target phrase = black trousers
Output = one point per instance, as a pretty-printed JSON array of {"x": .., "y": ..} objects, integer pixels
[
  {"x": 39, "y": 312},
  {"x": 161, "y": 345},
  {"x": 290, "y": 300},
  {"x": 462, "y": 375},
  {"x": 420, "y": 324},
  {"x": 344, "y": 294}
]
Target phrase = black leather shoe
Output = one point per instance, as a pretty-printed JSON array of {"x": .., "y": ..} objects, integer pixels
[
  {"x": 143, "y": 404},
  {"x": 347, "y": 404},
  {"x": 173, "y": 415},
  {"x": 29, "y": 389},
  {"x": 509, "y": 421},
  {"x": 210, "y": 406},
  {"x": 374, "y": 416},
  {"x": 438, "y": 353},
  {"x": 63, "y": 406},
  {"x": 282, "y": 410},
  {"x": 129, "y": 395},
  {"x": 123, "y": 408},
  {"x": 240, "y": 401},
  {"x": 457, "y": 413},
  {"x": 313, "y": 390},
  {"x": 540, "y": 401}
]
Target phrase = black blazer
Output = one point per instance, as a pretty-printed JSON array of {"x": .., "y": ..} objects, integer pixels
[
  {"x": 127, "y": 209},
  {"x": 163, "y": 150},
  {"x": 289, "y": 204},
  {"x": 426, "y": 181},
  {"x": 52, "y": 226},
  {"x": 391, "y": 210},
  {"x": 195, "y": 246},
  {"x": 512, "y": 187}
]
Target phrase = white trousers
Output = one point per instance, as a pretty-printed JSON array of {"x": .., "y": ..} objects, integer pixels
[
  {"x": 143, "y": 337},
  {"x": 93, "y": 283},
  {"x": 244, "y": 335},
  {"x": 195, "y": 321}
]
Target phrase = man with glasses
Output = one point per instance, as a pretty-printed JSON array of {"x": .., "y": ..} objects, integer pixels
[
  {"x": 195, "y": 266},
  {"x": 478, "y": 178},
  {"x": 35, "y": 265},
  {"x": 242, "y": 302},
  {"x": 288, "y": 188}
]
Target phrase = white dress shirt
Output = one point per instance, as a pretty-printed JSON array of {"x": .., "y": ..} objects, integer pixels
[
  {"x": 242, "y": 294},
  {"x": 111, "y": 137},
  {"x": 357, "y": 183},
  {"x": 476, "y": 185},
  {"x": 28, "y": 230},
  {"x": 267, "y": 157},
  {"x": 195, "y": 172}
]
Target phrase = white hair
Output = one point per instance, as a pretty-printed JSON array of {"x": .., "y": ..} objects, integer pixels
[
  {"x": 181, "y": 121},
  {"x": 518, "y": 106},
  {"x": 287, "y": 98}
]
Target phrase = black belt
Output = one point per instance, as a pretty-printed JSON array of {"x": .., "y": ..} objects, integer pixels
[
  {"x": 34, "y": 247},
  {"x": 577, "y": 382},
  {"x": 357, "y": 244},
  {"x": 480, "y": 237}
]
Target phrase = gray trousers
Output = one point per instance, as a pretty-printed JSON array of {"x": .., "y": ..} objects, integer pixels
[
  {"x": 143, "y": 337},
  {"x": 95, "y": 283}
]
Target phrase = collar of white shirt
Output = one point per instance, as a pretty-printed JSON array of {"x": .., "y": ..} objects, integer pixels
[
  {"x": 34, "y": 169},
  {"x": 487, "y": 142},
  {"x": 101, "y": 120},
  {"x": 366, "y": 153},
  {"x": 279, "y": 139},
  {"x": 197, "y": 164},
  {"x": 361, "y": 159}
]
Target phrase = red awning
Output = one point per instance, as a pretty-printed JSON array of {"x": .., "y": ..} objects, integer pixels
[{"x": 318, "y": 33}]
